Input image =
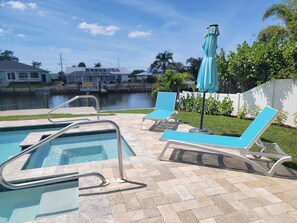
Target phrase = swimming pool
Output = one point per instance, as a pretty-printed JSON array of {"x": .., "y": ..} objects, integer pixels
[
  {"x": 11, "y": 137},
  {"x": 72, "y": 147},
  {"x": 28, "y": 204},
  {"x": 78, "y": 148}
]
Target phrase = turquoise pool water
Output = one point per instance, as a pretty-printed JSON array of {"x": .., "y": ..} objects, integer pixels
[
  {"x": 18, "y": 206},
  {"x": 78, "y": 149},
  {"x": 10, "y": 140}
]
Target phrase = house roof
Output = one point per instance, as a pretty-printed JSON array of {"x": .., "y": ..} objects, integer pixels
[
  {"x": 147, "y": 73},
  {"x": 16, "y": 66},
  {"x": 100, "y": 71}
]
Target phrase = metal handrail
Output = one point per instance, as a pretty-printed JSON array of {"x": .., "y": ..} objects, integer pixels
[
  {"x": 68, "y": 176},
  {"x": 71, "y": 100}
]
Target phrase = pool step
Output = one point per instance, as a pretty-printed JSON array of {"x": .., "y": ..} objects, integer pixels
[
  {"x": 61, "y": 200},
  {"x": 20, "y": 215}
]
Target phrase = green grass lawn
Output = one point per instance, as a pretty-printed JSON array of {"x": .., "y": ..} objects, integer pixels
[{"x": 285, "y": 137}]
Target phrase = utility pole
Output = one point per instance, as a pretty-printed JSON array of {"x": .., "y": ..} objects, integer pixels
[{"x": 61, "y": 62}]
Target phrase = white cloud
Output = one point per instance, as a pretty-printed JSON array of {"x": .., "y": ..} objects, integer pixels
[
  {"x": 18, "y": 5},
  {"x": 42, "y": 13},
  {"x": 95, "y": 29},
  {"x": 21, "y": 35},
  {"x": 139, "y": 34},
  {"x": 32, "y": 5},
  {"x": 2, "y": 32}
]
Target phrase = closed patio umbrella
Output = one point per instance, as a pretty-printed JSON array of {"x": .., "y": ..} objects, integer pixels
[{"x": 207, "y": 80}]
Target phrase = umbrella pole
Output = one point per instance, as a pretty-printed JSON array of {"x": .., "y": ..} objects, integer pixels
[
  {"x": 202, "y": 111},
  {"x": 200, "y": 129}
]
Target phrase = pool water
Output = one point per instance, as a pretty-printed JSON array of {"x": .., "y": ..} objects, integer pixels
[
  {"x": 78, "y": 149},
  {"x": 24, "y": 205},
  {"x": 10, "y": 140}
]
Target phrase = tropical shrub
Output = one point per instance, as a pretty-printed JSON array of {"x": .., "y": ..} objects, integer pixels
[
  {"x": 281, "y": 118},
  {"x": 189, "y": 102},
  {"x": 170, "y": 81},
  {"x": 242, "y": 112},
  {"x": 197, "y": 105},
  {"x": 226, "y": 106},
  {"x": 255, "y": 111},
  {"x": 212, "y": 106}
]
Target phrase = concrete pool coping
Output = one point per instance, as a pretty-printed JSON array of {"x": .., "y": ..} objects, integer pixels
[{"x": 192, "y": 187}]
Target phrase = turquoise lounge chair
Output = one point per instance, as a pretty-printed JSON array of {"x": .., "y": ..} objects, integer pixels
[
  {"x": 227, "y": 145},
  {"x": 164, "y": 109}
]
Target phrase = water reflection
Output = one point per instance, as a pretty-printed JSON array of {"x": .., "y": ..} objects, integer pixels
[{"x": 111, "y": 101}]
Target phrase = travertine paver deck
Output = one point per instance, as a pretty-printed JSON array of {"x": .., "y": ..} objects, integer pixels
[{"x": 192, "y": 187}]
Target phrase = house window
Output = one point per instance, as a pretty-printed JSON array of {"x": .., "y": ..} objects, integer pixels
[
  {"x": 11, "y": 76},
  {"x": 34, "y": 75},
  {"x": 23, "y": 76}
]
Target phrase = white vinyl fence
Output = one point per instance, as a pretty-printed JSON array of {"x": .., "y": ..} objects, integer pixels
[{"x": 279, "y": 94}]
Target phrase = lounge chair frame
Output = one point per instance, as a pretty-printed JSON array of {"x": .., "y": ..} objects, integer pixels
[
  {"x": 159, "y": 121},
  {"x": 171, "y": 113},
  {"x": 243, "y": 154}
]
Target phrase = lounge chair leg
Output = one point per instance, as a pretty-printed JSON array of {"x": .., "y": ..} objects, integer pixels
[
  {"x": 278, "y": 163},
  {"x": 164, "y": 150},
  {"x": 141, "y": 125}
]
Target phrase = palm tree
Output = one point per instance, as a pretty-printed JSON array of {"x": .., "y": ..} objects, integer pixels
[
  {"x": 98, "y": 64},
  {"x": 194, "y": 66},
  {"x": 163, "y": 61},
  {"x": 287, "y": 13},
  {"x": 36, "y": 64}
]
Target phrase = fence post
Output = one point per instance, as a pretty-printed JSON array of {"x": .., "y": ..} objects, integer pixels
[
  {"x": 88, "y": 100},
  {"x": 238, "y": 101},
  {"x": 45, "y": 100},
  {"x": 273, "y": 93}
]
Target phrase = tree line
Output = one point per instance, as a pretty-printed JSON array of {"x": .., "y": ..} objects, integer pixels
[{"x": 272, "y": 56}]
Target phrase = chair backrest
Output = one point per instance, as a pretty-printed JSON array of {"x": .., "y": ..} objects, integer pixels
[
  {"x": 165, "y": 101},
  {"x": 258, "y": 126}
]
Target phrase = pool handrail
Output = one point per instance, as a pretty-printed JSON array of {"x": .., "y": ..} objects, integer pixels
[
  {"x": 68, "y": 102},
  {"x": 68, "y": 176}
]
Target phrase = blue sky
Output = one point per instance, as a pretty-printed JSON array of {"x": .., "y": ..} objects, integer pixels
[{"x": 132, "y": 32}]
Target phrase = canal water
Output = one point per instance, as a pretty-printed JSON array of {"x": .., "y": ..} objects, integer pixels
[{"x": 110, "y": 101}]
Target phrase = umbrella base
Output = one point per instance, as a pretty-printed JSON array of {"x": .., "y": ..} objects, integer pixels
[{"x": 200, "y": 131}]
